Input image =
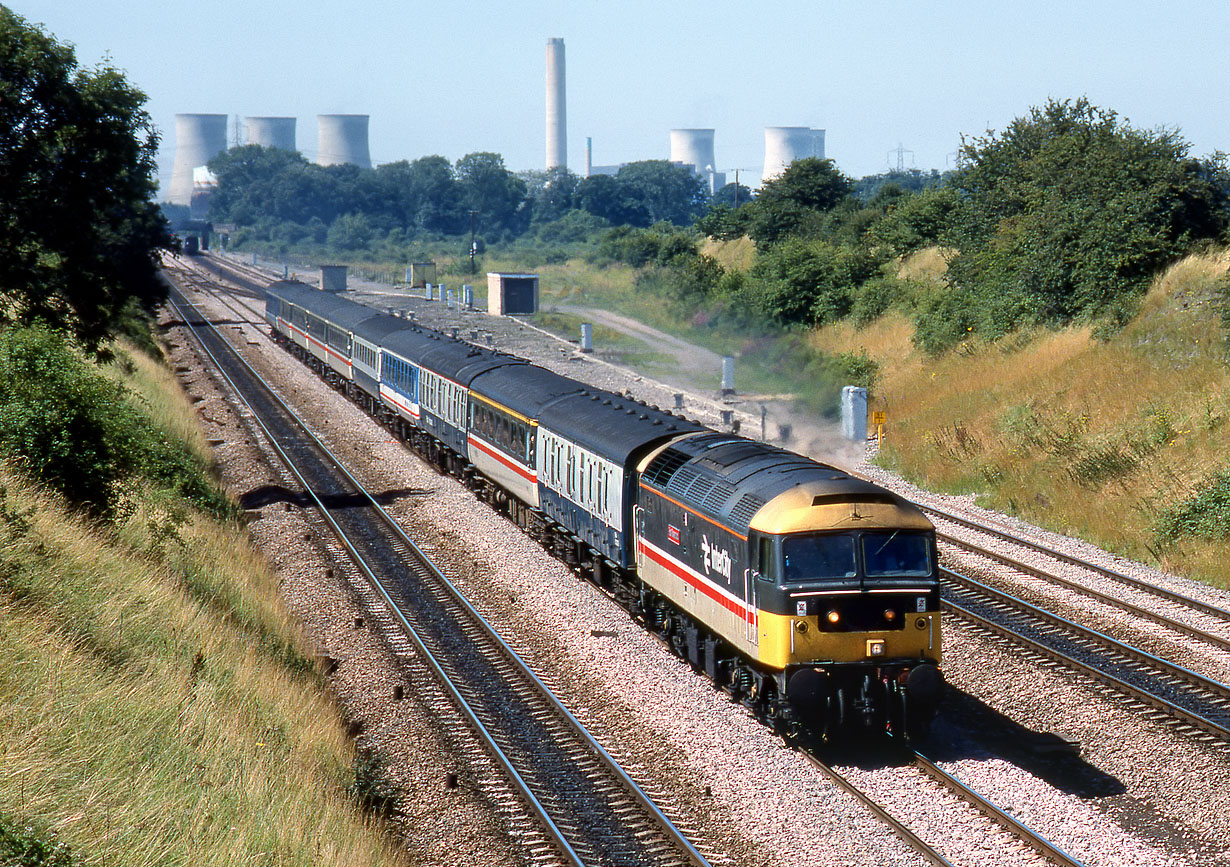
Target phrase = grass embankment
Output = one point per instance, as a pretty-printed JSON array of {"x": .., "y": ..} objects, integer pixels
[
  {"x": 1119, "y": 441},
  {"x": 156, "y": 703}
]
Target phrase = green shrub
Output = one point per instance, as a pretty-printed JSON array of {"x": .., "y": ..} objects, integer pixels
[
  {"x": 79, "y": 432},
  {"x": 27, "y": 847},
  {"x": 857, "y": 368},
  {"x": 1205, "y": 514},
  {"x": 873, "y": 298},
  {"x": 371, "y": 788},
  {"x": 941, "y": 321}
]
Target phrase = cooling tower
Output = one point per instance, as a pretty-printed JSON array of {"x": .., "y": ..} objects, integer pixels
[
  {"x": 342, "y": 138},
  {"x": 557, "y": 109},
  {"x": 271, "y": 132},
  {"x": 198, "y": 139},
  {"x": 817, "y": 142},
  {"x": 693, "y": 147},
  {"x": 785, "y": 144}
]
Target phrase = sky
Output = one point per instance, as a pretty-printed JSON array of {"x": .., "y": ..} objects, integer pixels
[{"x": 455, "y": 78}]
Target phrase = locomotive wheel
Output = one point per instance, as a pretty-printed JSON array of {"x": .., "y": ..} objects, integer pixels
[
  {"x": 837, "y": 711},
  {"x": 898, "y": 709}
]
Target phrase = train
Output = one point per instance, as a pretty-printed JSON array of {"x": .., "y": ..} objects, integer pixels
[{"x": 807, "y": 594}]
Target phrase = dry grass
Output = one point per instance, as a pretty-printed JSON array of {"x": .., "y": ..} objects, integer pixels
[
  {"x": 156, "y": 702},
  {"x": 163, "y": 399},
  {"x": 151, "y": 708},
  {"x": 930, "y": 263},
  {"x": 1089, "y": 437},
  {"x": 736, "y": 255}
]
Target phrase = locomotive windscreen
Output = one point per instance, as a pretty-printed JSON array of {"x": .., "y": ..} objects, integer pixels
[
  {"x": 907, "y": 554},
  {"x": 811, "y": 557}
]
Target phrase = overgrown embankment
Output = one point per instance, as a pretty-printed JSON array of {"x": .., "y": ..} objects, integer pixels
[
  {"x": 156, "y": 702},
  {"x": 1122, "y": 441}
]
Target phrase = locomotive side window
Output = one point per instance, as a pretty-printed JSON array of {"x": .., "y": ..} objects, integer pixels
[
  {"x": 766, "y": 559},
  {"x": 818, "y": 557},
  {"x": 897, "y": 553}
]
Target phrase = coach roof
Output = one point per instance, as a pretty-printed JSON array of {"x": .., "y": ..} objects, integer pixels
[
  {"x": 329, "y": 307},
  {"x": 611, "y": 426}
]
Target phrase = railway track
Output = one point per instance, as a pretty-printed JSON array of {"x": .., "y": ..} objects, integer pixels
[
  {"x": 1187, "y": 615},
  {"x": 932, "y": 855},
  {"x": 932, "y": 851},
  {"x": 590, "y": 809},
  {"x": 1183, "y": 695}
]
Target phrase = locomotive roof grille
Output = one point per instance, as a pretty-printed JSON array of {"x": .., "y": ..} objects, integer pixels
[
  {"x": 682, "y": 480},
  {"x": 699, "y": 489},
  {"x": 718, "y": 497},
  {"x": 664, "y": 466},
  {"x": 743, "y": 512}
]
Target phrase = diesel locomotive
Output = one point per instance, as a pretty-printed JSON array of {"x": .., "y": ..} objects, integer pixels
[{"x": 807, "y": 594}]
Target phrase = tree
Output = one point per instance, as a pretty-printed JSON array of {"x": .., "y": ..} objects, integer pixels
[
  {"x": 436, "y": 196},
  {"x": 914, "y": 221},
  {"x": 606, "y": 197},
  {"x": 79, "y": 234},
  {"x": 497, "y": 194},
  {"x": 807, "y": 282},
  {"x": 810, "y": 183},
  {"x": 1071, "y": 212},
  {"x": 733, "y": 196},
  {"x": 909, "y": 180},
  {"x": 794, "y": 202},
  {"x": 725, "y": 223},
  {"x": 552, "y": 192},
  {"x": 664, "y": 191},
  {"x": 255, "y": 182}
]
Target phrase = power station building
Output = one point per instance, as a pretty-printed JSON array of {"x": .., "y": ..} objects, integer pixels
[
  {"x": 694, "y": 148},
  {"x": 342, "y": 139},
  {"x": 785, "y": 144},
  {"x": 198, "y": 139},
  {"x": 557, "y": 107},
  {"x": 270, "y": 132}
]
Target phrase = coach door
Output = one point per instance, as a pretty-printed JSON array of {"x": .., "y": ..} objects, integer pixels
[{"x": 751, "y": 621}]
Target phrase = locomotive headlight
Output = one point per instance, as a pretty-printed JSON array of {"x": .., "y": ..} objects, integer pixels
[
  {"x": 875, "y": 647},
  {"x": 833, "y": 617},
  {"x": 890, "y": 615}
]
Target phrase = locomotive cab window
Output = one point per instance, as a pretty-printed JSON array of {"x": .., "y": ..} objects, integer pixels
[
  {"x": 906, "y": 554},
  {"x": 817, "y": 557}
]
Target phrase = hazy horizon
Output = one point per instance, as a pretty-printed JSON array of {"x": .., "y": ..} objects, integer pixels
[{"x": 440, "y": 81}]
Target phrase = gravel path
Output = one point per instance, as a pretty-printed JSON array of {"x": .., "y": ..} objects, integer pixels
[{"x": 1138, "y": 794}]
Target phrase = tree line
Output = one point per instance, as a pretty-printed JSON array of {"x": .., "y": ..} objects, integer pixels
[
  {"x": 288, "y": 199},
  {"x": 1067, "y": 215}
]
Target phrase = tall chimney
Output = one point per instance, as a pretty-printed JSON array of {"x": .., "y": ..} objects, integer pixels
[
  {"x": 198, "y": 139},
  {"x": 557, "y": 109}
]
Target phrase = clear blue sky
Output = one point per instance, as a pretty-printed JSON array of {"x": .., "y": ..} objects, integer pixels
[{"x": 452, "y": 78}]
